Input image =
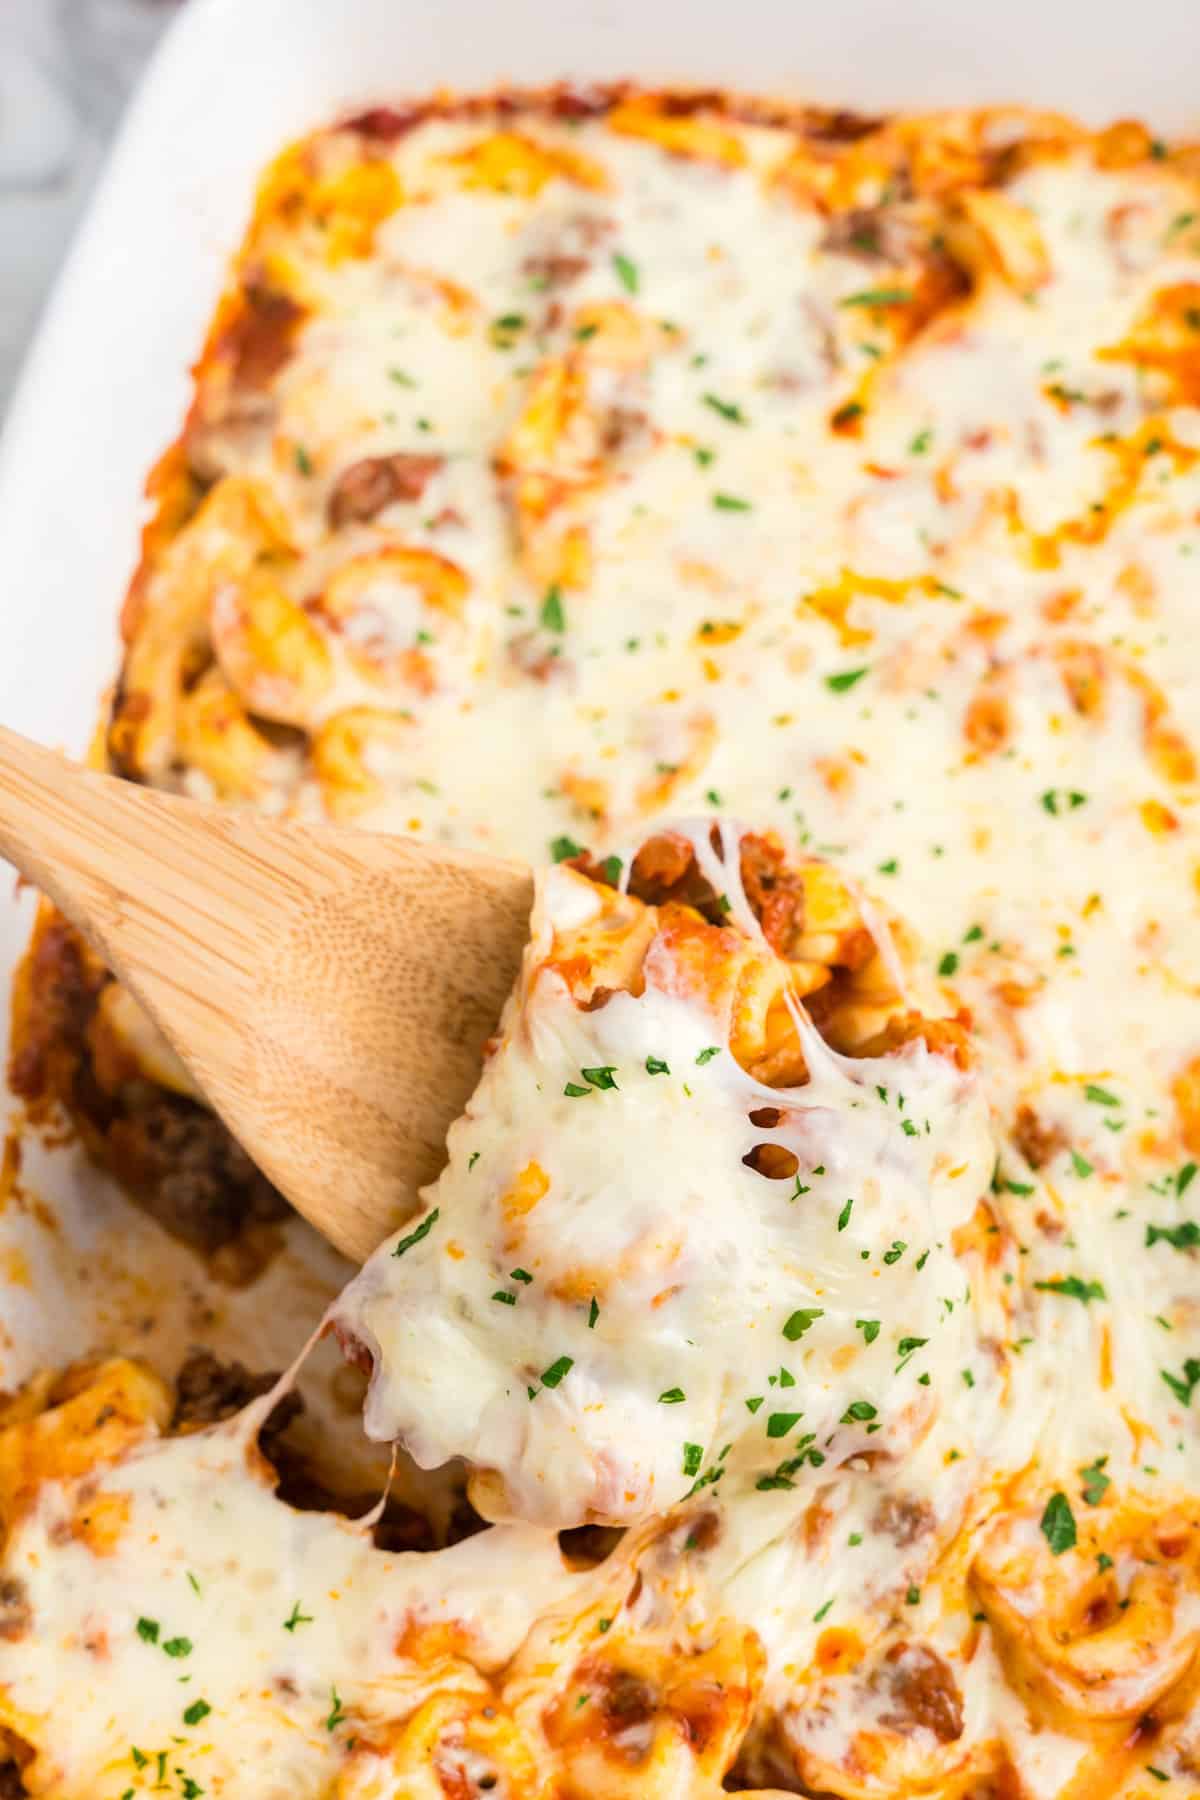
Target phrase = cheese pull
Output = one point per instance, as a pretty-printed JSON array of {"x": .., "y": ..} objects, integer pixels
[{"x": 696, "y": 1224}]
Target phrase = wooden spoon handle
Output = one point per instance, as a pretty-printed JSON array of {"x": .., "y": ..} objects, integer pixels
[{"x": 329, "y": 990}]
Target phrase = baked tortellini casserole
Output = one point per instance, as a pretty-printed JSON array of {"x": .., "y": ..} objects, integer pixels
[{"x": 782, "y": 528}]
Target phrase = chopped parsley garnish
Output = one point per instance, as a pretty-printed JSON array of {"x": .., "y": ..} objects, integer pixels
[
  {"x": 780, "y": 1423},
  {"x": 574, "y": 1091},
  {"x": 1073, "y": 1287},
  {"x": 973, "y": 936},
  {"x": 1185, "y": 1236},
  {"x": 147, "y": 1630},
  {"x": 656, "y": 1066},
  {"x": 730, "y": 503},
  {"x": 178, "y": 1646},
  {"x": 920, "y": 443},
  {"x": 703, "y": 455},
  {"x": 473, "y": 1159},
  {"x": 843, "y": 682},
  {"x": 627, "y": 272},
  {"x": 907, "y": 1345},
  {"x": 1099, "y": 1096},
  {"x": 707, "y": 1055},
  {"x": 801, "y": 1320},
  {"x": 877, "y": 297},
  {"x": 296, "y": 1617},
  {"x": 1061, "y": 800},
  {"x": 896, "y": 1252},
  {"x": 422, "y": 1231},
  {"x": 671, "y": 1396},
  {"x": 558, "y": 1368},
  {"x": 913, "y": 1597},
  {"x": 303, "y": 460},
  {"x": 949, "y": 963},
  {"x": 1182, "y": 1386},
  {"x": 754, "y": 1402},
  {"x": 593, "y": 1313},
  {"x": 869, "y": 1329},
  {"x": 612, "y": 869},
  {"x": 336, "y": 1714},
  {"x": 1058, "y": 1524},
  {"x": 1185, "y": 1177},
  {"x": 520, "y": 1275},
  {"x": 552, "y": 615},
  {"x": 1081, "y": 1165},
  {"x": 504, "y": 1297},
  {"x": 821, "y": 1612},
  {"x": 199, "y": 1709},
  {"x": 858, "y": 1411},
  {"x": 1095, "y": 1482},
  {"x": 692, "y": 1456},
  {"x": 563, "y": 847},
  {"x": 843, "y": 1218},
  {"x": 726, "y": 408},
  {"x": 401, "y": 378},
  {"x": 602, "y": 1077}
]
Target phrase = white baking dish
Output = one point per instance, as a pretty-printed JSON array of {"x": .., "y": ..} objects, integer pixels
[{"x": 106, "y": 386}]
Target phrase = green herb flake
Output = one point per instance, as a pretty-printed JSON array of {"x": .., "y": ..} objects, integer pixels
[
  {"x": 604, "y": 1077},
  {"x": 730, "y": 503},
  {"x": 553, "y": 615},
  {"x": 147, "y": 1630},
  {"x": 878, "y": 297},
  {"x": 780, "y": 1423},
  {"x": 754, "y": 1402},
  {"x": 199, "y": 1709},
  {"x": 869, "y": 1329},
  {"x": 1183, "y": 1385},
  {"x": 1058, "y": 1524},
  {"x": 296, "y": 1618},
  {"x": 593, "y": 1313},
  {"x": 520, "y": 1275},
  {"x": 821, "y": 1612},
  {"x": 178, "y": 1646},
  {"x": 844, "y": 681},
  {"x": 707, "y": 1054},
  {"x": 1095, "y": 1482},
  {"x": 949, "y": 963},
  {"x": 562, "y": 848},
  {"x": 1185, "y": 1236},
  {"x": 303, "y": 460},
  {"x": 336, "y": 1714},
  {"x": 422, "y": 1231},
  {"x": 896, "y": 1252},
  {"x": 693, "y": 1455},
  {"x": 558, "y": 1368},
  {"x": 626, "y": 271},
  {"x": 1073, "y": 1287},
  {"x": 612, "y": 867},
  {"x": 671, "y": 1396},
  {"x": 656, "y": 1066},
  {"x": 843, "y": 1218},
  {"x": 726, "y": 408},
  {"x": 574, "y": 1091},
  {"x": 800, "y": 1322},
  {"x": 1099, "y": 1096},
  {"x": 504, "y": 1298},
  {"x": 858, "y": 1412},
  {"x": 1081, "y": 1165}
]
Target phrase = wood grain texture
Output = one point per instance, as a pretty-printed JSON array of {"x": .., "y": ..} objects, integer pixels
[{"x": 329, "y": 990}]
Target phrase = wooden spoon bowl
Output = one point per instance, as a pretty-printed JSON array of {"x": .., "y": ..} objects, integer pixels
[{"x": 328, "y": 990}]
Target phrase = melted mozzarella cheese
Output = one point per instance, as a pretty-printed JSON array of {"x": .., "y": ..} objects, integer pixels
[
  {"x": 954, "y": 649},
  {"x": 674, "y": 1316},
  {"x": 190, "y": 1627}
]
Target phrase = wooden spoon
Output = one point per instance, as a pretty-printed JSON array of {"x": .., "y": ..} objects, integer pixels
[{"x": 328, "y": 990}]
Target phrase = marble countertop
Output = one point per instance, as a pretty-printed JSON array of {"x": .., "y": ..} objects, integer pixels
[{"x": 66, "y": 70}]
